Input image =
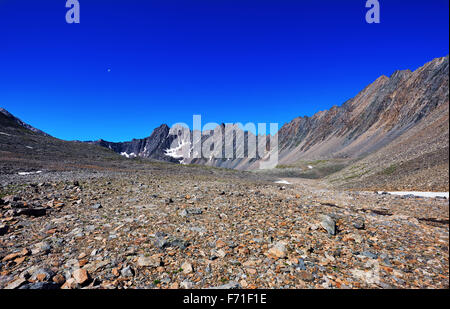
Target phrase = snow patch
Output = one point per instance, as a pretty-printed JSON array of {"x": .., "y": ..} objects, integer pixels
[
  {"x": 179, "y": 152},
  {"x": 310, "y": 167},
  {"x": 125, "y": 154},
  {"x": 3, "y": 133},
  {"x": 128, "y": 155},
  {"x": 284, "y": 182},
  {"x": 417, "y": 193},
  {"x": 176, "y": 152},
  {"x": 29, "y": 173}
]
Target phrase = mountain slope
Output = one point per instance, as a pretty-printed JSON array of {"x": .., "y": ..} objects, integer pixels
[
  {"x": 24, "y": 148},
  {"x": 393, "y": 134},
  {"x": 378, "y": 115},
  {"x": 416, "y": 161},
  {"x": 8, "y": 120}
]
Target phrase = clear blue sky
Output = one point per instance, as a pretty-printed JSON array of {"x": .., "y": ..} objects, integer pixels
[{"x": 228, "y": 60}]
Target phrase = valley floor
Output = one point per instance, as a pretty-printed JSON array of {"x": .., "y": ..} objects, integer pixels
[{"x": 191, "y": 227}]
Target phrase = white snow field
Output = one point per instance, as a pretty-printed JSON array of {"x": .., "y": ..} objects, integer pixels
[
  {"x": 28, "y": 173},
  {"x": 418, "y": 193},
  {"x": 284, "y": 182}
]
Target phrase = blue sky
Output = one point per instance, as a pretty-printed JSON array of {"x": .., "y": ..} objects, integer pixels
[{"x": 228, "y": 60}]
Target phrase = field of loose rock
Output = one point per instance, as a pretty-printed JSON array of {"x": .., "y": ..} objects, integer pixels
[{"x": 197, "y": 228}]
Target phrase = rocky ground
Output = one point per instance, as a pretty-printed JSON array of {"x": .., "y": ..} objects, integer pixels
[{"x": 191, "y": 227}]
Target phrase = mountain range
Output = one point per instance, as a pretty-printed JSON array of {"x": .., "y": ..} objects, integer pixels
[{"x": 393, "y": 133}]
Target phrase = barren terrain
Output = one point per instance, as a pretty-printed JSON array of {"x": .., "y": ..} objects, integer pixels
[{"x": 173, "y": 226}]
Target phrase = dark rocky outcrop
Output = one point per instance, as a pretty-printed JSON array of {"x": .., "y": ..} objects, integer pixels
[
  {"x": 8, "y": 120},
  {"x": 152, "y": 147}
]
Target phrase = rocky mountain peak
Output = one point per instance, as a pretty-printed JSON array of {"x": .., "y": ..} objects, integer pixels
[{"x": 12, "y": 121}]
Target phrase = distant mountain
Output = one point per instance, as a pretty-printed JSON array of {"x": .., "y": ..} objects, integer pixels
[
  {"x": 24, "y": 148},
  {"x": 395, "y": 131},
  {"x": 376, "y": 117},
  {"x": 160, "y": 146},
  {"x": 233, "y": 137},
  {"x": 152, "y": 147},
  {"x": 7, "y": 119}
]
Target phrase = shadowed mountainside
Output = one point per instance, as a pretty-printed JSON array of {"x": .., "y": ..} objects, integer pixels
[
  {"x": 378, "y": 115},
  {"x": 152, "y": 147},
  {"x": 23, "y": 148}
]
